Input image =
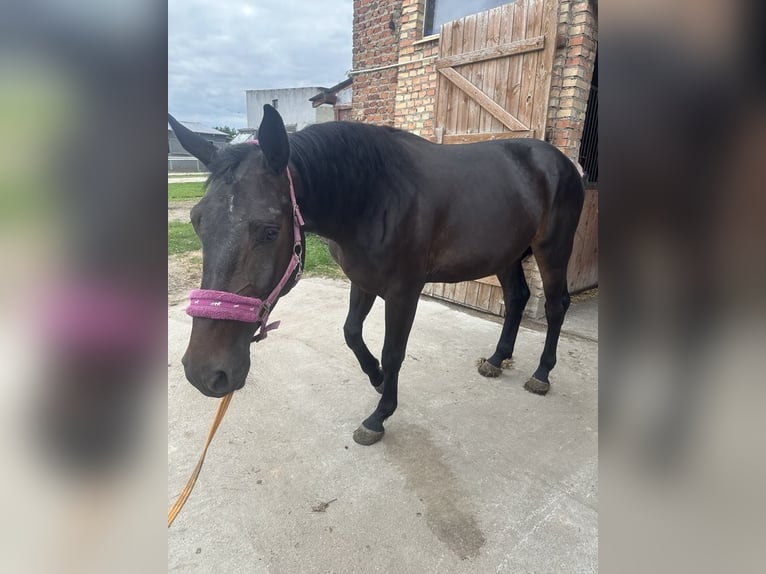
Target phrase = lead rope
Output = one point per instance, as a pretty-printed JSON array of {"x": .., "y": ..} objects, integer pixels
[{"x": 181, "y": 500}]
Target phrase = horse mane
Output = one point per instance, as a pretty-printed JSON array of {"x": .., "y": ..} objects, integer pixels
[{"x": 348, "y": 167}]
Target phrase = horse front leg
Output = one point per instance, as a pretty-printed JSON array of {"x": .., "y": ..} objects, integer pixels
[
  {"x": 359, "y": 306},
  {"x": 400, "y": 313}
]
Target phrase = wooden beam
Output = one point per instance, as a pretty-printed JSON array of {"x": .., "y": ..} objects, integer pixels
[
  {"x": 482, "y": 137},
  {"x": 484, "y": 100},
  {"x": 518, "y": 47}
]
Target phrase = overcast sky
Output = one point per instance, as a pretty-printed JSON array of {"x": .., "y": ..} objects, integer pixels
[{"x": 219, "y": 49}]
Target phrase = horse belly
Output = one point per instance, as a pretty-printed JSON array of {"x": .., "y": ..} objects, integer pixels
[{"x": 479, "y": 245}]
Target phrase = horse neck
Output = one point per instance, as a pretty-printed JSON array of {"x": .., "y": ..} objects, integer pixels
[
  {"x": 316, "y": 221},
  {"x": 348, "y": 173},
  {"x": 327, "y": 206}
]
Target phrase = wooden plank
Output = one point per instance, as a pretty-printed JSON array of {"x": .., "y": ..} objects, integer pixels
[
  {"x": 545, "y": 59},
  {"x": 582, "y": 272},
  {"x": 471, "y": 293},
  {"x": 496, "y": 301},
  {"x": 529, "y": 67},
  {"x": 482, "y": 299},
  {"x": 449, "y": 291},
  {"x": 460, "y": 291},
  {"x": 442, "y": 85},
  {"x": 493, "y": 52},
  {"x": 502, "y": 66},
  {"x": 482, "y": 137},
  {"x": 464, "y": 99},
  {"x": 488, "y": 104},
  {"x": 490, "y": 67},
  {"x": 453, "y": 94},
  {"x": 513, "y": 93},
  {"x": 476, "y": 76}
]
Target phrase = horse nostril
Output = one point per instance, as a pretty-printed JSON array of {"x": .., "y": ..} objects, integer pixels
[{"x": 219, "y": 382}]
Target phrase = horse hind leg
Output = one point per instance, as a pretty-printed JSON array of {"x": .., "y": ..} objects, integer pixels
[
  {"x": 553, "y": 270},
  {"x": 515, "y": 295},
  {"x": 552, "y": 250},
  {"x": 359, "y": 307}
]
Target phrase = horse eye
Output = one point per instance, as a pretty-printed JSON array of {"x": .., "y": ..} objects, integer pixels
[{"x": 267, "y": 235}]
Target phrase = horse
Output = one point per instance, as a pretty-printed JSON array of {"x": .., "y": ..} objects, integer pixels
[{"x": 398, "y": 211}]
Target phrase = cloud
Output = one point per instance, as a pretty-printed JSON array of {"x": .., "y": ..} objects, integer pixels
[{"x": 217, "y": 50}]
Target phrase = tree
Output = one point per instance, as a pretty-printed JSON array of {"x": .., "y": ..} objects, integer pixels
[{"x": 227, "y": 130}]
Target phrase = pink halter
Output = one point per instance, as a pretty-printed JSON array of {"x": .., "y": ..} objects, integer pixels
[{"x": 212, "y": 304}]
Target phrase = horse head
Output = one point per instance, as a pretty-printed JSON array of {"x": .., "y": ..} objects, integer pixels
[{"x": 247, "y": 222}]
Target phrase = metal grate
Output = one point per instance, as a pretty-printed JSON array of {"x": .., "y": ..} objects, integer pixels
[{"x": 589, "y": 144}]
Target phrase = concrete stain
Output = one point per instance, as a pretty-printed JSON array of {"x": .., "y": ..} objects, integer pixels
[{"x": 448, "y": 510}]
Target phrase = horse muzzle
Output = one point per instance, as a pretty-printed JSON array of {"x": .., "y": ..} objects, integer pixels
[{"x": 212, "y": 379}]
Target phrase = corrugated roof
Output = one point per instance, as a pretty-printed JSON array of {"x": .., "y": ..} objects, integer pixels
[{"x": 199, "y": 128}]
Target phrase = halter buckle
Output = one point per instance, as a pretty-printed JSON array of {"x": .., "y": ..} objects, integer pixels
[{"x": 264, "y": 311}]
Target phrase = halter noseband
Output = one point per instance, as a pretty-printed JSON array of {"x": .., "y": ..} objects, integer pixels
[{"x": 212, "y": 304}]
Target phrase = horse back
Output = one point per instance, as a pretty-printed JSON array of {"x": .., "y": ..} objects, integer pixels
[{"x": 480, "y": 206}]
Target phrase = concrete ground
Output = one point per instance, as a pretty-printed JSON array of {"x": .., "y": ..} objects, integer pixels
[{"x": 473, "y": 475}]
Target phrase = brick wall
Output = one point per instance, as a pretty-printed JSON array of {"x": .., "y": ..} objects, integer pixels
[
  {"x": 404, "y": 95},
  {"x": 571, "y": 75},
  {"x": 375, "y": 46},
  {"x": 416, "y": 84}
]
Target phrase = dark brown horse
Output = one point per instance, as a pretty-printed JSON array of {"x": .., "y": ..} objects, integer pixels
[{"x": 399, "y": 211}]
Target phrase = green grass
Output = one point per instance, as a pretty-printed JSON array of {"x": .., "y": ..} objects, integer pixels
[
  {"x": 182, "y": 239},
  {"x": 318, "y": 260},
  {"x": 187, "y": 190}
]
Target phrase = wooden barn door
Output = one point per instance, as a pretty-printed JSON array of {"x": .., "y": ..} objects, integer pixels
[
  {"x": 495, "y": 73},
  {"x": 494, "y": 82}
]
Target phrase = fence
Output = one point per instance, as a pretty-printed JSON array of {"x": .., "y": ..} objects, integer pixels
[{"x": 185, "y": 164}]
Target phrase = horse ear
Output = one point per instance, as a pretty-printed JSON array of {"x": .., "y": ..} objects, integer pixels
[
  {"x": 272, "y": 137},
  {"x": 195, "y": 144}
]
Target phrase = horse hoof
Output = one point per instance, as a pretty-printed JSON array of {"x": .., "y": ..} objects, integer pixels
[
  {"x": 487, "y": 369},
  {"x": 537, "y": 386},
  {"x": 366, "y": 437},
  {"x": 379, "y": 388}
]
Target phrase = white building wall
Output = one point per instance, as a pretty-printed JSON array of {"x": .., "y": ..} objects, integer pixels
[
  {"x": 324, "y": 113},
  {"x": 292, "y": 103},
  {"x": 344, "y": 96}
]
